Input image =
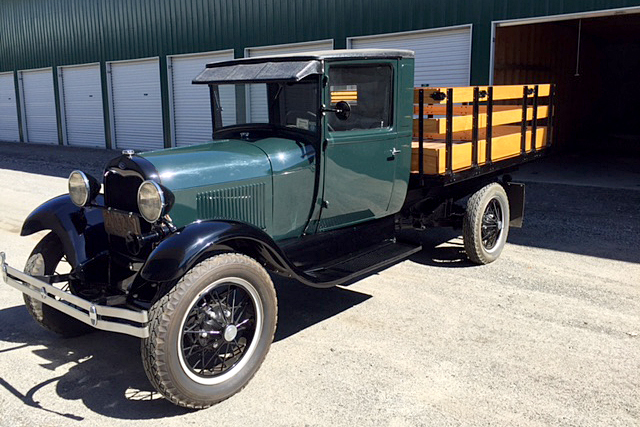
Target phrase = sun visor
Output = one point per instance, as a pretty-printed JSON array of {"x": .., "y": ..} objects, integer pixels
[{"x": 285, "y": 71}]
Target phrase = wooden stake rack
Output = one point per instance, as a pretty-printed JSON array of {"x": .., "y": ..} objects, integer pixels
[{"x": 473, "y": 129}]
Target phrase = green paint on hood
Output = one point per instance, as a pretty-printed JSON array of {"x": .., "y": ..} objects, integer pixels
[{"x": 209, "y": 164}]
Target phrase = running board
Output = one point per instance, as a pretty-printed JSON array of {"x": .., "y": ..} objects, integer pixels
[{"x": 364, "y": 262}]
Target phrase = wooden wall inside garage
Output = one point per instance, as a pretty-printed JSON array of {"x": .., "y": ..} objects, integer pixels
[{"x": 598, "y": 104}]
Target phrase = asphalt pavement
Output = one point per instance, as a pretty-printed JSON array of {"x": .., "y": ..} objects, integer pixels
[{"x": 546, "y": 335}]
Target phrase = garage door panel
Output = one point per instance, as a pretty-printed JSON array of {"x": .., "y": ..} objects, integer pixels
[
  {"x": 137, "y": 105},
  {"x": 39, "y": 106},
  {"x": 9, "y": 130},
  {"x": 258, "y": 93},
  {"x": 442, "y": 56},
  {"x": 83, "y": 108},
  {"x": 191, "y": 103}
]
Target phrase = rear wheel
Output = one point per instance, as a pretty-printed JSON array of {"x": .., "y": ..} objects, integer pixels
[
  {"x": 211, "y": 332},
  {"x": 48, "y": 258},
  {"x": 486, "y": 224}
]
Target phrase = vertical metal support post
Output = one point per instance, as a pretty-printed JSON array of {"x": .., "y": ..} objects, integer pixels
[
  {"x": 523, "y": 140},
  {"x": 421, "y": 134},
  {"x": 449, "y": 137},
  {"x": 552, "y": 100},
  {"x": 212, "y": 101},
  {"x": 474, "y": 130},
  {"x": 534, "y": 122},
  {"x": 489, "y": 122}
]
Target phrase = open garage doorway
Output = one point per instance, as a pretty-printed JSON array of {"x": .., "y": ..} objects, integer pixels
[{"x": 595, "y": 62}]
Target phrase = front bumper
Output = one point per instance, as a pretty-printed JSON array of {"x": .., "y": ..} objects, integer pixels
[{"x": 121, "y": 320}]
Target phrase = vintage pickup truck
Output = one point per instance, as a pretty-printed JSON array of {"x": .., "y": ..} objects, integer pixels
[{"x": 318, "y": 181}]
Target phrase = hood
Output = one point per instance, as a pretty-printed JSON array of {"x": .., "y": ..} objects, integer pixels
[{"x": 206, "y": 164}]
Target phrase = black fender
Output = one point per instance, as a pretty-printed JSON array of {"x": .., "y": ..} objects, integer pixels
[
  {"x": 81, "y": 230},
  {"x": 176, "y": 254},
  {"x": 179, "y": 252}
]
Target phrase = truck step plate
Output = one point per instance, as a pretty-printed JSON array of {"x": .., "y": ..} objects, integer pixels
[{"x": 364, "y": 262}]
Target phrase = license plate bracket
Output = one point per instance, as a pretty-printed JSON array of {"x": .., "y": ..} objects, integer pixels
[{"x": 121, "y": 224}]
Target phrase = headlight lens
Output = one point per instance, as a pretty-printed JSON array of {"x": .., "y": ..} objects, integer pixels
[
  {"x": 79, "y": 188},
  {"x": 151, "y": 201}
]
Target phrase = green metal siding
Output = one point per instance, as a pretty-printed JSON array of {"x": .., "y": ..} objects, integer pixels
[{"x": 38, "y": 33}]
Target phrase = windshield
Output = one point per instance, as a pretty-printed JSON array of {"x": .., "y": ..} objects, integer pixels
[{"x": 290, "y": 105}]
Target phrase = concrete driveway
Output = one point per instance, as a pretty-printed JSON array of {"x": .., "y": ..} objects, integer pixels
[{"x": 546, "y": 335}]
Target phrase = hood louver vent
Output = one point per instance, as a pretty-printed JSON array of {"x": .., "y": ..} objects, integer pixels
[{"x": 245, "y": 203}]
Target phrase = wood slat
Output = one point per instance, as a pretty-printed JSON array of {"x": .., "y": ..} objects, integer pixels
[
  {"x": 503, "y": 146},
  {"x": 482, "y": 133},
  {"x": 465, "y": 94},
  {"x": 459, "y": 110},
  {"x": 465, "y": 123}
]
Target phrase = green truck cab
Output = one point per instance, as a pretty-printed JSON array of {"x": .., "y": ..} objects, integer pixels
[{"x": 313, "y": 182}]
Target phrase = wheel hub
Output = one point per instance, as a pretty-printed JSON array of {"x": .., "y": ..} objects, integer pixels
[{"x": 230, "y": 333}]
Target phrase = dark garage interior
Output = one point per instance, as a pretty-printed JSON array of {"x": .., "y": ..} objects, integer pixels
[{"x": 595, "y": 64}]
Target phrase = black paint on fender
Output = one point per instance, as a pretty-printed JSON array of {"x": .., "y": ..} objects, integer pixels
[
  {"x": 176, "y": 254},
  {"x": 81, "y": 230},
  {"x": 179, "y": 252}
]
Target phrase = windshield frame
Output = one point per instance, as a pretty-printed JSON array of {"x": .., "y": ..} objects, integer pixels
[{"x": 237, "y": 129}]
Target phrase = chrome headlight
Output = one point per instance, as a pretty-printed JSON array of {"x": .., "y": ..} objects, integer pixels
[
  {"x": 151, "y": 201},
  {"x": 82, "y": 188}
]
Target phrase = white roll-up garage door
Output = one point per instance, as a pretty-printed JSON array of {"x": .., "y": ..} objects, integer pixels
[
  {"x": 9, "y": 131},
  {"x": 191, "y": 106},
  {"x": 443, "y": 56},
  {"x": 39, "y": 106},
  {"x": 258, "y": 94},
  {"x": 81, "y": 92},
  {"x": 136, "y": 104}
]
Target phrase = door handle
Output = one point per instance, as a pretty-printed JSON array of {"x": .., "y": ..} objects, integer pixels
[{"x": 395, "y": 151}]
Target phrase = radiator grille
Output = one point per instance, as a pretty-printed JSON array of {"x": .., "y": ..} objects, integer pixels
[
  {"x": 245, "y": 203},
  {"x": 121, "y": 192}
]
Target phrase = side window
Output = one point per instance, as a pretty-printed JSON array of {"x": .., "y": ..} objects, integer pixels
[{"x": 368, "y": 89}]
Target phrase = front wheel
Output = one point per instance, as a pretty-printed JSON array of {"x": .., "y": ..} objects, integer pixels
[
  {"x": 48, "y": 258},
  {"x": 486, "y": 224},
  {"x": 209, "y": 335}
]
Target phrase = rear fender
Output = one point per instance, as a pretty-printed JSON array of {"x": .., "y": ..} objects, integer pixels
[
  {"x": 176, "y": 254},
  {"x": 81, "y": 230}
]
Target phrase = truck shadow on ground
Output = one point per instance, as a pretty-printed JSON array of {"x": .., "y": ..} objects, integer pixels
[
  {"x": 106, "y": 371},
  {"x": 441, "y": 247}
]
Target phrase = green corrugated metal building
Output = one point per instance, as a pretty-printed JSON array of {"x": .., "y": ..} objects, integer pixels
[{"x": 581, "y": 45}]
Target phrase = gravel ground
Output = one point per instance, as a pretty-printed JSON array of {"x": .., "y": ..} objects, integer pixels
[{"x": 546, "y": 335}]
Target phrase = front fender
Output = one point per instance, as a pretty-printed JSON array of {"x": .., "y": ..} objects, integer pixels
[
  {"x": 81, "y": 230},
  {"x": 175, "y": 255}
]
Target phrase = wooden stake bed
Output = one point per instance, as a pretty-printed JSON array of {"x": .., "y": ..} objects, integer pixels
[
  {"x": 505, "y": 145},
  {"x": 500, "y": 132}
]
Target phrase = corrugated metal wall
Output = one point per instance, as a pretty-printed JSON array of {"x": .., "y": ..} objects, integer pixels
[{"x": 37, "y": 33}]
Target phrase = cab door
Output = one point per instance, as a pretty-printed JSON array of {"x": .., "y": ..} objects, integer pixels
[{"x": 360, "y": 154}]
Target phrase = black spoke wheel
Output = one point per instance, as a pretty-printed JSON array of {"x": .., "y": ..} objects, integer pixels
[
  {"x": 486, "y": 224},
  {"x": 492, "y": 223},
  {"x": 211, "y": 332},
  {"x": 218, "y": 331},
  {"x": 48, "y": 258}
]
